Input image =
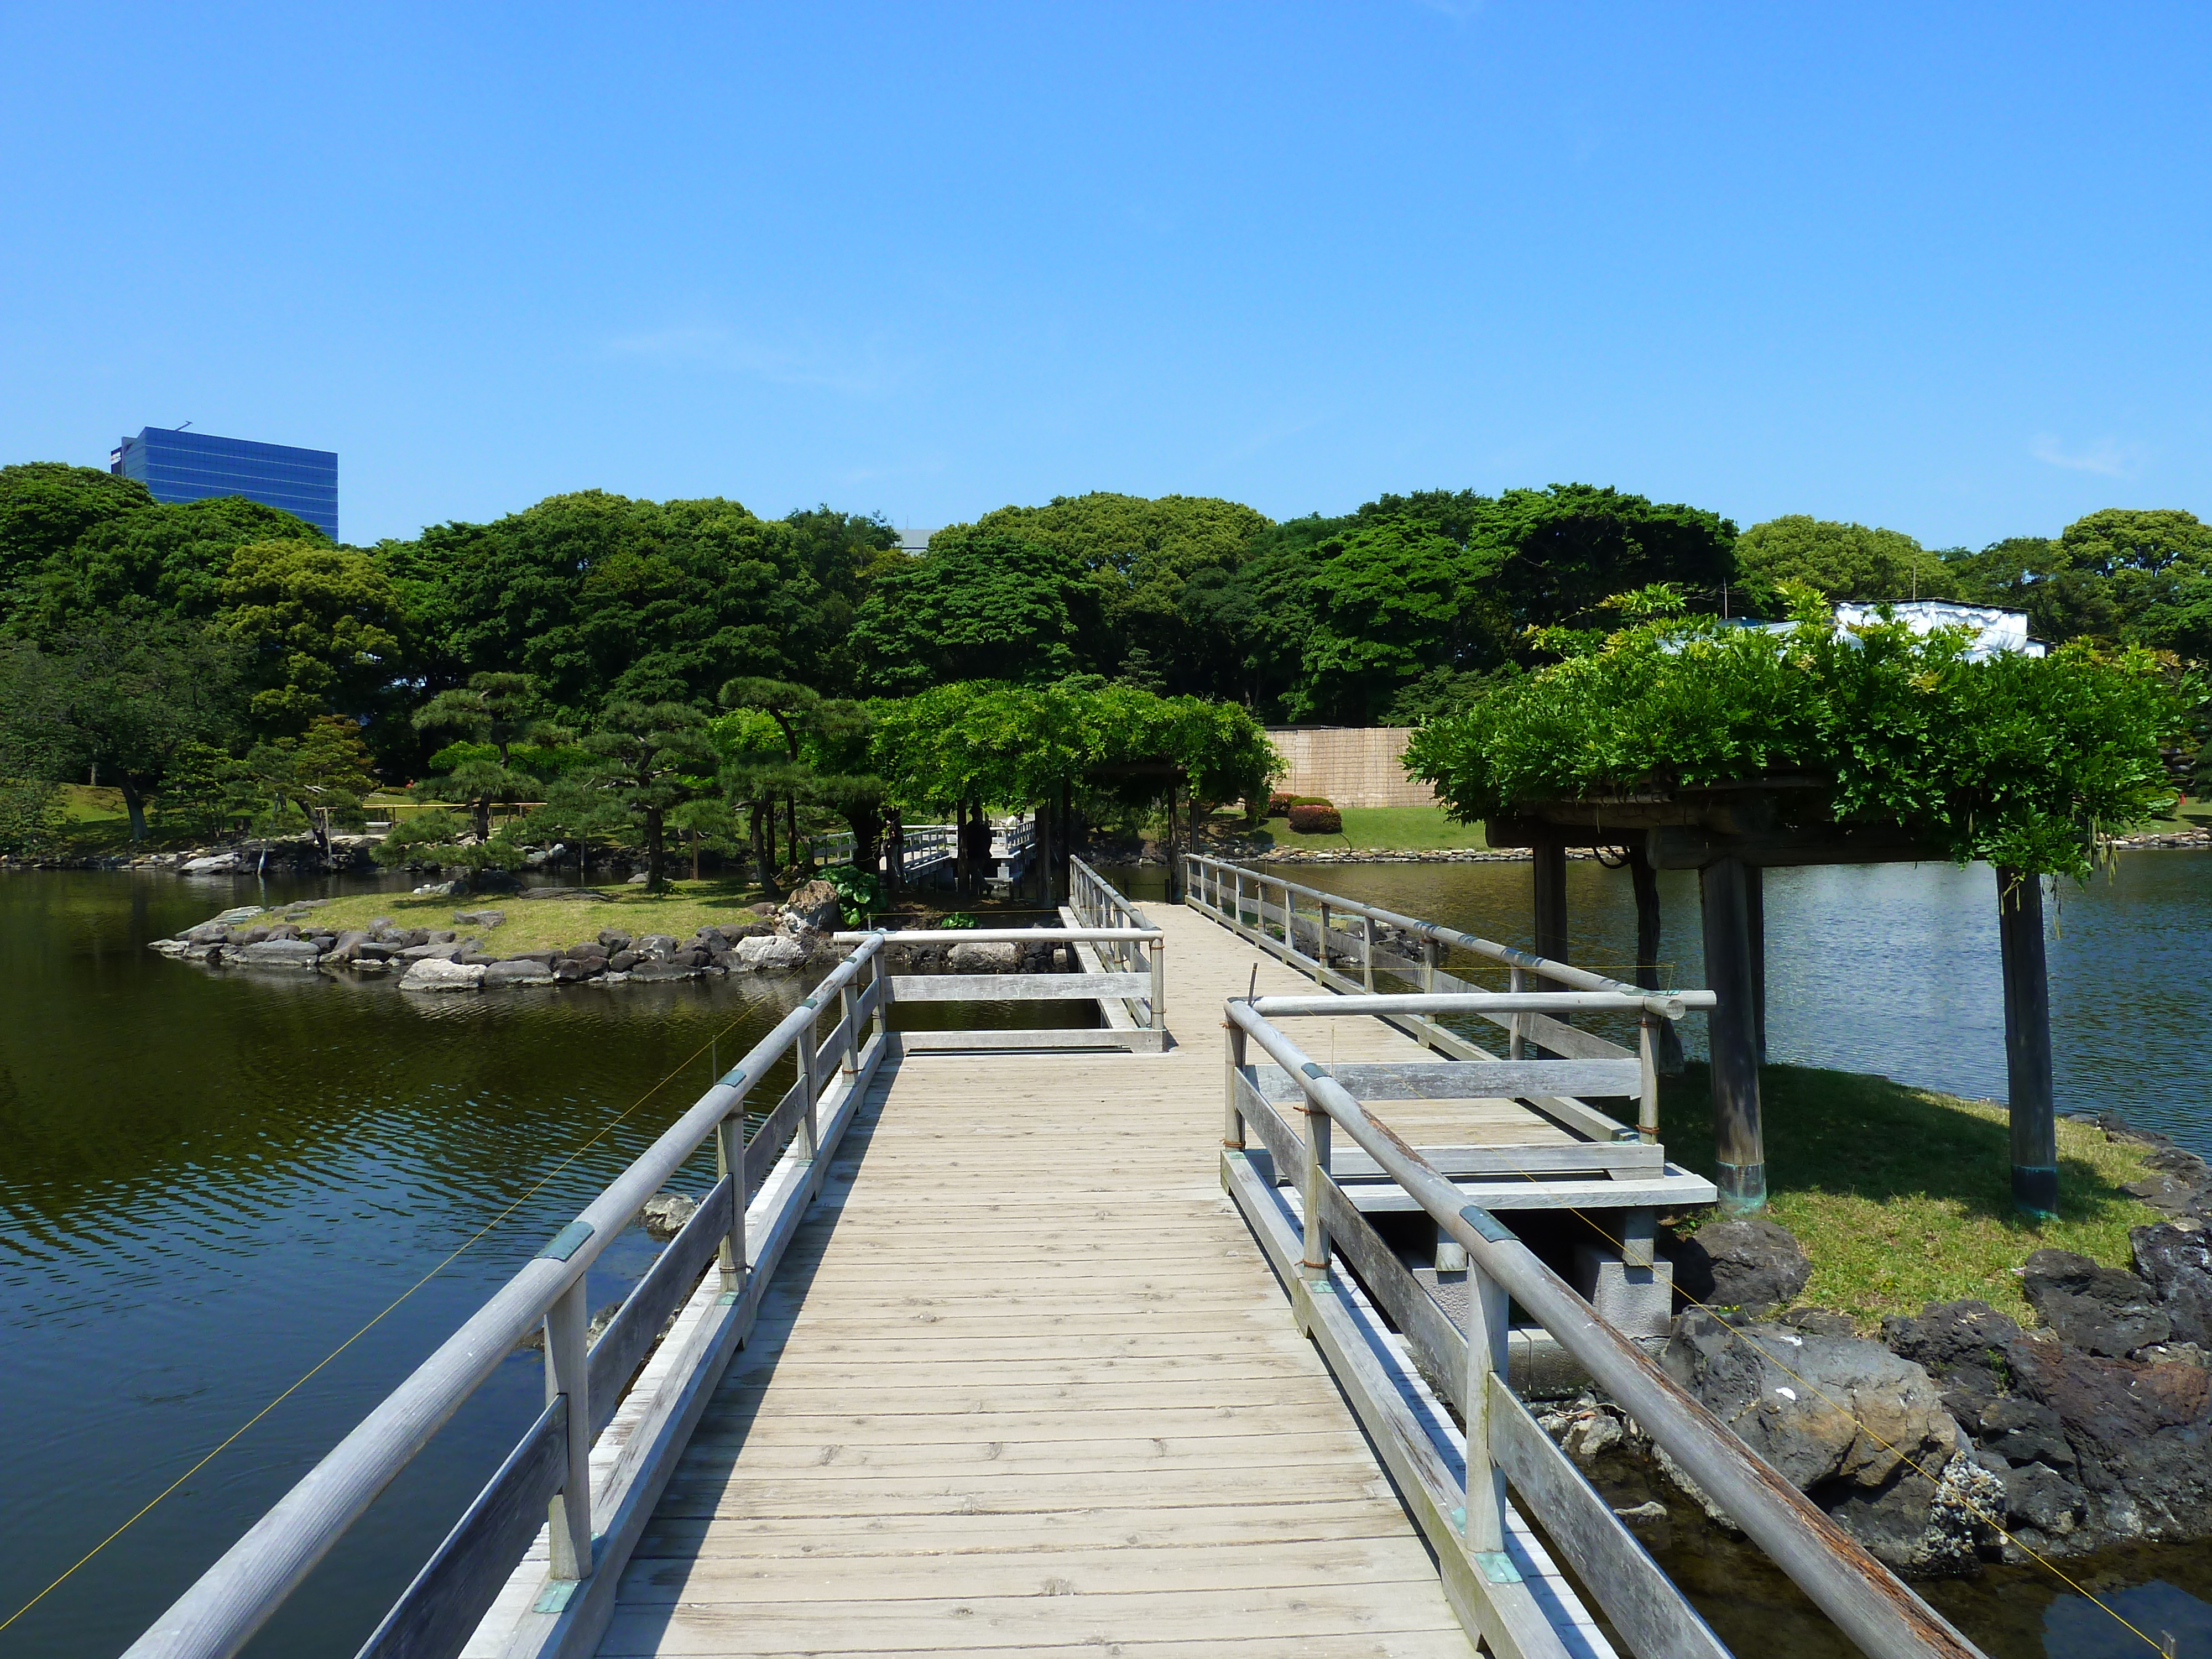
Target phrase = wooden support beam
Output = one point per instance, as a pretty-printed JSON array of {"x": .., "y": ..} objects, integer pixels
[
  {"x": 1733, "y": 1039},
  {"x": 1645, "y": 880},
  {"x": 1754, "y": 927},
  {"x": 2027, "y": 1044},
  {"x": 1549, "y": 899}
]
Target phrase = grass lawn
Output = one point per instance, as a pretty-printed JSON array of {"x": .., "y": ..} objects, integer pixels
[
  {"x": 1902, "y": 1197},
  {"x": 537, "y": 924},
  {"x": 1385, "y": 829}
]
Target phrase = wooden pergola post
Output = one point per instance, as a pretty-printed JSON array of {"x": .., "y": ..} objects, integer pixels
[
  {"x": 1645, "y": 881},
  {"x": 1733, "y": 1028},
  {"x": 1549, "y": 901},
  {"x": 2027, "y": 1044}
]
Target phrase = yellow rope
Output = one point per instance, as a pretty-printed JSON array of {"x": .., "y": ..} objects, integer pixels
[{"x": 309, "y": 1376}]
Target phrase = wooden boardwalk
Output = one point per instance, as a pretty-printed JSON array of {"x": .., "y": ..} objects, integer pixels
[{"x": 1026, "y": 1385}]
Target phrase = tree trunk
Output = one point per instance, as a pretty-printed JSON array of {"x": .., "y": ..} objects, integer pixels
[
  {"x": 656, "y": 853},
  {"x": 482, "y": 807},
  {"x": 133, "y": 802},
  {"x": 1043, "y": 853},
  {"x": 791, "y": 829},
  {"x": 763, "y": 835},
  {"x": 695, "y": 854},
  {"x": 895, "y": 859},
  {"x": 1646, "y": 882}
]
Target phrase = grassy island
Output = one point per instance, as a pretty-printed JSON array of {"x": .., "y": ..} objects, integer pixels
[{"x": 1901, "y": 1196}]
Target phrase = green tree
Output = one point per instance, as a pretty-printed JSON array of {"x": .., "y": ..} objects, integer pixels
[
  {"x": 976, "y": 605},
  {"x": 46, "y": 507},
  {"x": 1140, "y": 555},
  {"x": 1562, "y": 552},
  {"x": 498, "y": 711},
  {"x": 126, "y": 697},
  {"x": 1841, "y": 561},
  {"x": 652, "y": 757},
  {"x": 323, "y": 771},
  {"x": 167, "y": 560},
  {"x": 1391, "y": 602},
  {"x": 318, "y": 623},
  {"x": 792, "y": 707}
]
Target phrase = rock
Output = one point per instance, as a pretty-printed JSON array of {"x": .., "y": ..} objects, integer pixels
[
  {"x": 240, "y": 913},
  {"x": 983, "y": 959},
  {"x": 2176, "y": 1262},
  {"x": 167, "y": 947},
  {"x": 641, "y": 878},
  {"x": 615, "y": 940},
  {"x": 436, "y": 974},
  {"x": 2140, "y": 1434},
  {"x": 1819, "y": 1322},
  {"x": 2021, "y": 1430},
  {"x": 1963, "y": 1345},
  {"x": 664, "y": 1214},
  {"x": 567, "y": 970},
  {"x": 623, "y": 961},
  {"x": 2039, "y": 1497},
  {"x": 380, "y": 925},
  {"x": 207, "y": 933},
  {"x": 280, "y": 953},
  {"x": 813, "y": 907},
  {"x": 1843, "y": 1420},
  {"x": 2101, "y": 1309},
  {"x": 346, "y": 947},
  {"x": 650, "y": 969},
  {"x": 562, "y": 893},
  {"x": 445, "y": 952},
  {"x": 586, "y": 953},
  {"x": 478, "y": 918},
  {"x": 438, "y": 890},
  {"x": 216, "y": 864},
  {"x": 769, "y": 954},
  {"x": 659, "y": 946},
  {"x": 515, "y": 971},
  {"x": 1752, "y": 1264}
]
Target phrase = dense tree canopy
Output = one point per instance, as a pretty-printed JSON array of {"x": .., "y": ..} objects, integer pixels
[{"x": 443, "y": 650}]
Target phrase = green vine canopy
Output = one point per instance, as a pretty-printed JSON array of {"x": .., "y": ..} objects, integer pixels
[{"x": 2022, "y": 762}]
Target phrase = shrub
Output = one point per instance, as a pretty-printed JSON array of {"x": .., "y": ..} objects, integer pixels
[
  {"x": 1278, "y": 804},
  {"x": 1315, "y": 818}
]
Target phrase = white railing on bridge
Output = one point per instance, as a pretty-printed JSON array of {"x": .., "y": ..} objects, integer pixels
[
  {"x": 1463, "y": 1511},
  {"x": 927, "y": 846}
]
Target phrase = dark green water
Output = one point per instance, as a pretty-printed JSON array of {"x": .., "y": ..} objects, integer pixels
[{"x": 207, "y": 1183}]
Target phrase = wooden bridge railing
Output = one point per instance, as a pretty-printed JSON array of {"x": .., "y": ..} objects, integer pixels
[
  {"x": 1265, "y": 910},
  {"x": 1143, "y": 986},
  {"x": 767, "y": 1181},
  {"x": 1098, "y": 903},
  {"x": 1464, "y": 1514}
]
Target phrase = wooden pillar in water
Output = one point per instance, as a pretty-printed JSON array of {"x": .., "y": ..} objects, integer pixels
[
  {"x": 1645, "y": 880},
  {"x": 1174, "y": 863},
  {"x": 1733, "y": 1032},
  {"x": 1043, "y": 853},
  {"x": 2027, "y": 1044},
  {"x": 1549, "y": 863}
]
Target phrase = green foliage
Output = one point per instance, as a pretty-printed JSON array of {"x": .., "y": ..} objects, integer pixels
[
  {"x": 127, "y": 697},
  {"x": 977, "y": 605},
  {"x": 651, "y": 757},
  {"x": 206, "y": 792},
  {"x": 1841, "y": 561},
  {"x": 859, "y": 893},
  {"x": 318, "y": 623},
  {"x": 47, "y": 506},
  {"x": 2017, "y": 761},
  {"x": 959, "y": 919},
  {"x": 30, "y": 816},
  {"x": 166, "y": 560},
  {"x": 989, "y": 741}
]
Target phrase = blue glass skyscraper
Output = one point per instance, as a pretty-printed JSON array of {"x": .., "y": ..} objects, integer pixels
[{"x": 190, "y": 466}]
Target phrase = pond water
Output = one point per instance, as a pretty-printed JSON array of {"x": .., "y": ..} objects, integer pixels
[{"x": 208, "y": 1182}]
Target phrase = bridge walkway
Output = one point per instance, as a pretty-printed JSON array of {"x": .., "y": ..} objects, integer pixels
[{"x": 1025, "y": 1384}]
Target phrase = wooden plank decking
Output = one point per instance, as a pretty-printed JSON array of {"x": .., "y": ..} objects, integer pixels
[{"x": 1025, "y": 1385}]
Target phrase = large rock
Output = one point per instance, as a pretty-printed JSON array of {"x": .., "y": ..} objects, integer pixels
[
  {"x": 2140, "y": 1435},
  {"x": 2101, "y": 1309},
  {"x": 1752, "y": 1264},
  {"x": 813, "y": 907},
  {"x": 215, "y": 864},
  {"x": 515, "y": 971},
  {"x": 1963, "y": 1345},
  {"x": 983, "y": 958},
  {"x": 345, "y": 947},
  {"x": 664, "y": 1214},
  {"x": 1860, "y": 1431},
  {"x": 436, "y": 974},
  {"x": 279, "y": 954},
  {"x": 2176, "y": 1262},
  {"x": 771, "y": 953},
  {"x": 478, "y": 918},
  {"x": 216, "y": 932}
]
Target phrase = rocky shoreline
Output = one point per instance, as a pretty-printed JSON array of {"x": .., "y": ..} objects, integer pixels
[
  {"x": 1958, "y": 1438},
  {"x": 789, "y": 937}
]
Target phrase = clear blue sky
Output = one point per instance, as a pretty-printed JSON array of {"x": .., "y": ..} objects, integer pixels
[{"x": 1938, "y": 269}]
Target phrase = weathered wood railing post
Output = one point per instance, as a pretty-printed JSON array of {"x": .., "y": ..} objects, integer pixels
[
  {"x": 849, "y": 1012},
  {"x": 568, "y": 1372},
  {"x": 1232, "y": 1121},
  {"x": 809, "y": 1062},
  {"x": 1367, "y": 953},
  {"x": 1516, "y": 1042},
  {"x": 1321, "y": 944},
  {"x": 1313, "y": 1269},
  {"x": 2028, "y": 1090},
  {"x": 1482, "y": 1523},
  {"x": 1432, "y": 955},
  {"x": 730, "y": 1163},
  {"x": 1154, "y": 948},
  {"x": 1649, "y": 1035}
]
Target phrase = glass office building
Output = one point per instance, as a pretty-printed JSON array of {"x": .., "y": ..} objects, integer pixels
[{"x": 190, "y": 466}]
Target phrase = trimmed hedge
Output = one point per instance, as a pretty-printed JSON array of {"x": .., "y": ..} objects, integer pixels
[{"x": 1315, "y": 817}]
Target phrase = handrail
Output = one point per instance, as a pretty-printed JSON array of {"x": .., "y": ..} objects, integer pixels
[
  {"x": 235, "y": 1596},
  {"x": 1878, "y": 1611},
  {"x": 1140, "y": 950},
  {"x": 1561, "y": 973},
  {"x": 1094, "y": 900}
]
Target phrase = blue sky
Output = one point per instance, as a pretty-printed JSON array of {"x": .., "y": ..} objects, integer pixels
[{"x": 1938, "y": 269}]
